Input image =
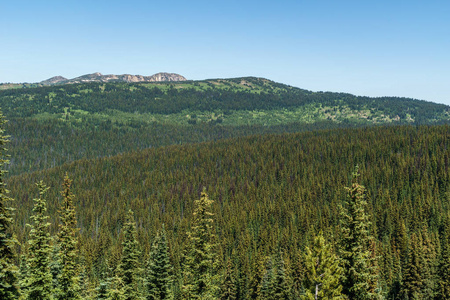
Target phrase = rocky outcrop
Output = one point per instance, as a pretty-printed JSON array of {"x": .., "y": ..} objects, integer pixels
[
  {"x": 98, "y": 77},
  {"x": 53, "y": 80}
]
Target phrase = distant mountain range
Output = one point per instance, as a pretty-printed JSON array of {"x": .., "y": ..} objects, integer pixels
[{"x": 98, "y": 77}]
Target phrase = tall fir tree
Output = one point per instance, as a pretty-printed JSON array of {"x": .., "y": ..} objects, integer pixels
[
  {"x": 355, "y": 242},
  {"x": 129, "y": 268},
  {"x": 158, "y": 275},
  {"x": 9, "y": 288},
  {"x": 40, "y": 278},
  {"x": 68, "y": 287},
  {"x": 322, "y": 272},
  {"x": 200, "y": 274}
]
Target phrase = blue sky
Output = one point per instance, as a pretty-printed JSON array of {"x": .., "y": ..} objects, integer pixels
[{"x": 373, "y": 48}]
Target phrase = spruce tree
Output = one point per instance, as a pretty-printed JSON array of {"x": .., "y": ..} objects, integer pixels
[
  {"x": 228, "y": 289},
  {"x": 200, "y": 276},
  {"x": 280, "y": 289},
  {"x": 40, "y": 278},
  {"x": 444, "y": 264},
  {"x": 23, "y": 274},
  {"x": 158, "y": 277},
  {"x": 9, "y": 288},
  {"x": 413, "y": 280},
  {"x": 322, "y": 272},
  {"x": 265, "y": 286},
  {"x": 68, "y": 287},
  {"x": 357, "y": 261},
  {"x": 129, "y": 267},
  {"x": 116, "y": 289},
  {"x": 258, "y": 271}
]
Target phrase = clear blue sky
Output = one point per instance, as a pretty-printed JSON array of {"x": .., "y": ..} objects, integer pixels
[{"x": 373, "y": 48}]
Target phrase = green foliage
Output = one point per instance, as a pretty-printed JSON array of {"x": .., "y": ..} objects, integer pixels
[
  {"x": 129, "y": 268},
  {"x": 280, "y": 288},
  {"x": 322, "y": 271},
  {"x": 355, "y": 243},
  {"x": 40, "y": 279},
  {"x": 200, "y": 274},
  {"x": 67, "y": 243},
  {"x": 8, "y": 271},
  {"x": 158, "y": 273},
  {"x": 228, "y": 289},
  {"x": 444, "y": 263}
]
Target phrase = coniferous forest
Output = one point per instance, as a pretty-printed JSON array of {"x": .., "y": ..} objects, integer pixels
[{"x": 349, "y": 212}]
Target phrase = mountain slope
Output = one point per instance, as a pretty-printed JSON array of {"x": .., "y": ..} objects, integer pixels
[{"x": 98, "y": 119}]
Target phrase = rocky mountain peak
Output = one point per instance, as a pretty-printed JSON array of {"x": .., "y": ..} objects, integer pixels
[{"x": 99, "y": 77}]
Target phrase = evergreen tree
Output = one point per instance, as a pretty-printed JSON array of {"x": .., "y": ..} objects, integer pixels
[
  {"x": 322, "y": 272},
  {"x": 68, "y": 287},
  {"x": 359, "y": 269},
  {"x": 159, "y": 269},
  {"x": 129, "y": 267},
  {"x": 23, "y": 274},
  {"x": 258, "y": 271},
  {"x": 116, "y": 289},
  {"x": 101, "y": 291},
  {"x": 228, "y": 289},
  {"x": 265, "y": 287},
  {"x": 413, "y": 281},
  {"x": 9, "y": 288},
  {"x": 444, "y": 265},
  {"x": 55, "y": 266},
  {"x": 280, "y": 289},
  {"x": 40, "y": 278},
  {"x": 200, "y": 276}
]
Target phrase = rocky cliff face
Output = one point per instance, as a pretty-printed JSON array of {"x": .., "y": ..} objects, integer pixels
[{"x": 115, "y": 78}]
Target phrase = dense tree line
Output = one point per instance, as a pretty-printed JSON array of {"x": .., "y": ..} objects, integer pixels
[{"x": 39, "y": 145}]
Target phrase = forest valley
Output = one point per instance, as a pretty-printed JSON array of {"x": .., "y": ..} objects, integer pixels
[
  {"x": 332, "y": 214},
  {"x": 222, "y": 189}
]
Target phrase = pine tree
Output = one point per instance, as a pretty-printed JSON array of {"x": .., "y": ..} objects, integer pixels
[
  {"x": 228, "y": 289},
  {"x": 40, "y": 278},
  {"x": 200, "y": 276},
  {"x": 129, "y": 267},
  {"x": 359, "y": 269},
  {"x": 323, "y": 273},
  {"x": 9, "y": 288},
  {"x": 159, "y": 269},
  {"x": 68, "y": 287}
]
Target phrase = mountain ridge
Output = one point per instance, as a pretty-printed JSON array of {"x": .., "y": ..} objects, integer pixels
[{"x": 99, "y": 77}]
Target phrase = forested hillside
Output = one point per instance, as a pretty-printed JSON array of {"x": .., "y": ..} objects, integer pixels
[
  {"x": 52, "y": 125},
  {"x": 273, "y": 194}
]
